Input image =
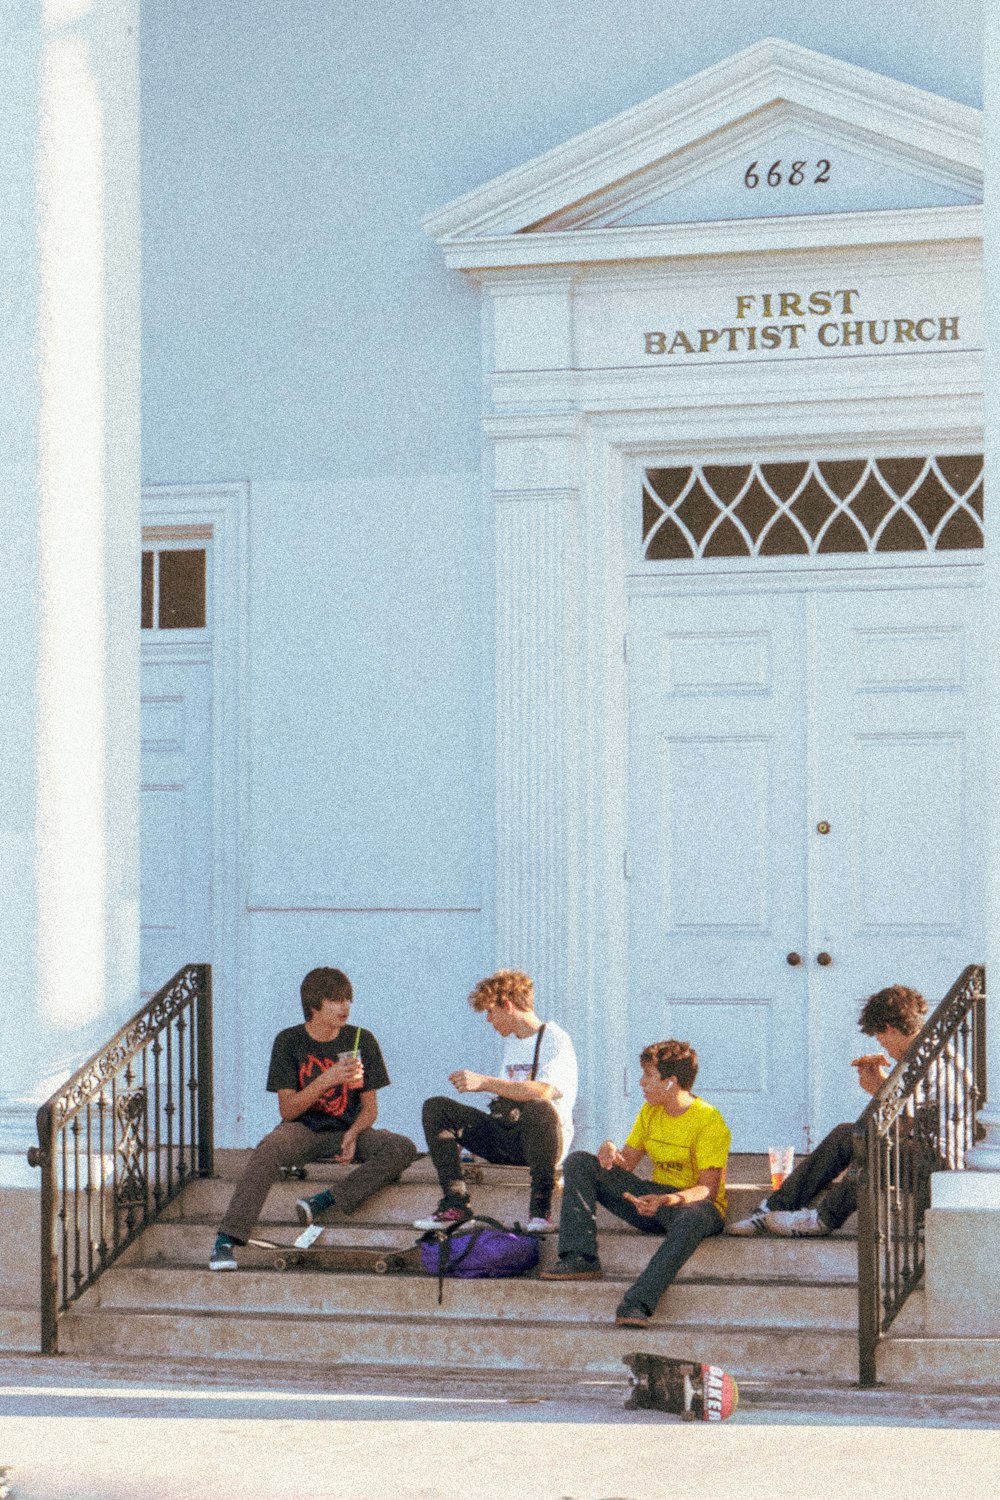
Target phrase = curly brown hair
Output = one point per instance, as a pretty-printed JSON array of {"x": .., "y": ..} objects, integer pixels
[
  {"x": 672, "y": 1060},
  {"x": 896, "y": 1006},
  {"x": 506, "y": 985}
]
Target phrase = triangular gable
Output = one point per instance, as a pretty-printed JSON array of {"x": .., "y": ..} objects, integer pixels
[{"x": 691, "y": 154}]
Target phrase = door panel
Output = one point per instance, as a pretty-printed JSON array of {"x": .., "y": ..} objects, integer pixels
[
  {"x": 896, "y": 888},
  {"x": 717, "y": 861},
  {"x": 175, "y": 816}
]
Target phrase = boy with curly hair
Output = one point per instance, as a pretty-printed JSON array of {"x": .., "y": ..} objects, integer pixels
[
  {"x": 893, "y": 1016},
  {"x": 530, "y": 1117},
  {"x": 687, "y": 1141}
]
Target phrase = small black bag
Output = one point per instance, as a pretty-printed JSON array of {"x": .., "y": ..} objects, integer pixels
[{"x": 507, "y": 1112}]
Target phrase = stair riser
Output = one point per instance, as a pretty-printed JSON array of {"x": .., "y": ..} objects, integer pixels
[
  {"x": 520, "y": 1300},
  {"x": 624, "y": 1253},
  {"x": 457, "y": 1343}
]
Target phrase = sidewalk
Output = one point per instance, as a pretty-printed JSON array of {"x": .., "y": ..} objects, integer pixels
[{"x": 71, "y": 1430}]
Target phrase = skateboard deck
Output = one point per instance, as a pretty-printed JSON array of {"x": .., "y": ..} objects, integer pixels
[
  {"x": 690, "y": 1390},
  {"x": 379, "y": 1261}
]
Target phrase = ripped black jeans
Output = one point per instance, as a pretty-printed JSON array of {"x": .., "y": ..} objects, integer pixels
[{"x": 534, "y": 1142}]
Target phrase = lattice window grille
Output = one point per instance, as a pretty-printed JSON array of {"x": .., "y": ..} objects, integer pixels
[{"x": 813, "y": 507}]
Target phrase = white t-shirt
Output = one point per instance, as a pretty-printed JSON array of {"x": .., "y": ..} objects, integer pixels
[{"x": 556, "y": 1065}]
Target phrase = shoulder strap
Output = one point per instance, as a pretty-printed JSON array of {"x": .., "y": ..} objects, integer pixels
[
  {"x": 538, "y": 1048},
  {"x": 444, "y": 1237}
]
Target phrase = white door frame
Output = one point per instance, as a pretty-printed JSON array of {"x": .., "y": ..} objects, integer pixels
[{"x": 224, "y": 508}]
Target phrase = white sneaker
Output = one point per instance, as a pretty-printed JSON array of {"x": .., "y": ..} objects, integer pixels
[
  {"x": 538, "y": 1225},
  {"x": 222, "y": 1257},
  {"x": 796, "y": 1223},
  {"x": 753, "y": 1225}
]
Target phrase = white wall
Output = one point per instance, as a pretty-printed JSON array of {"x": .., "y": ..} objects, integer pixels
[{"x": 301, "y": 332}]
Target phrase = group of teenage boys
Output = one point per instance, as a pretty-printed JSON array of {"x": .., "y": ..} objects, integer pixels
[{"x": 327, "y": 1074}]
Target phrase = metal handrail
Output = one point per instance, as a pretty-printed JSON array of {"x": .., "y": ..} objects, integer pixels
[
  {"x": 118, "y": 1140},
  {"x": 922, "y": 1120}
]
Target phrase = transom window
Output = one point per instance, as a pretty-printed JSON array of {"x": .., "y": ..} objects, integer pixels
[
  {"x": 814, "y": 506},
  {"x": 174, "y": 587}
]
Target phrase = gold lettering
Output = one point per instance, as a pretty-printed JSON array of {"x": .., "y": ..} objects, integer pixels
[
  {"x": 949, "y": 328},
  {"x": 682, "y": 341},
  {"x": 732, "y": 334},
  {"x": 790, "y": 305},
  {"x": 929, "y": 323},
  {"x": 770, "y": 337},
  {"x": 744, "y": 304},
  {"x": 872, "y": 325},
  {"x": 793, "y": 330},
  {"x": 845, "y": 295},
  {"x": 766, "y": 299},
  {"x": 709, "y": 338},
  {"x": 820, "y": 303},
  {"x": 904, "y": 331},
  {"x": 656, "y": 343},
  {"x": 853, "y": 333},
  {"x": 823, "y": 330}
]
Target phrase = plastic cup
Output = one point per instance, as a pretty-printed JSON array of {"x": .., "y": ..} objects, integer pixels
[
  {"x": 353, "y": 1055},
  {"x": 780, "y": 1160}
]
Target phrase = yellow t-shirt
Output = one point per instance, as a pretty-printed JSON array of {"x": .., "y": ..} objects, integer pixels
[{"x": 682, "y": 1146}]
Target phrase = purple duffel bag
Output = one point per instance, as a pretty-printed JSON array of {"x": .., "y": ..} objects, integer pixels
[{"x": 486, "y": 1249}]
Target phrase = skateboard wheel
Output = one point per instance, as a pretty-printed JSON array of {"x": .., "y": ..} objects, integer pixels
[
  {"x": 281, "y": 1262},
  {"x": 380, "y": 1267}
]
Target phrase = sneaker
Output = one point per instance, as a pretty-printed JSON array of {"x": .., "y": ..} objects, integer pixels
[
  {"x": 308, "y": 1209},
  {"x": 632, "y": 1315},
  {"x": 222, "y": 1258},
  {"x": 540, "y": 1225},
  {"x": 755, "y": 1224},
  {"x": 451, "y": 1211},
  {"x": 796, "y": 1223},
  {"x": 574, "y": 1267}
]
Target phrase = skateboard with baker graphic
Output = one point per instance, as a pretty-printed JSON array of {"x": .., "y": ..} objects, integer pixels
[
  {"x": 378, "y": 1260},
  {"x": 684, "y": 1387}
]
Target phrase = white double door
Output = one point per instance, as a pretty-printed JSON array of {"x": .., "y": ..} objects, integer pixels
[{"x": 805, "y": 780}]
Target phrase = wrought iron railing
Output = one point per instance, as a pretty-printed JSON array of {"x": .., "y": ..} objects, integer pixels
[
  {"x": 121, "y": 1138},
  {"x": 922, "y": 1120}
]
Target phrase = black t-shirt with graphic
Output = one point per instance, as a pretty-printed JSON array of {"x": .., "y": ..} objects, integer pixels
[{"x": 297, "y": 1058}]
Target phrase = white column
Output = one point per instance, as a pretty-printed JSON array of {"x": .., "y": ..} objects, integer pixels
[
  {"x": 69, "y": 508},
  {"x": 986, "y": 1156}
]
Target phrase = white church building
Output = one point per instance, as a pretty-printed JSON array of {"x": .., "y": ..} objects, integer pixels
[{"x": 499, "y": 485}]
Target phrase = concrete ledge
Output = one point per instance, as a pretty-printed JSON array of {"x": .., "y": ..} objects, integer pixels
[{"x": 962, "y": 1287}]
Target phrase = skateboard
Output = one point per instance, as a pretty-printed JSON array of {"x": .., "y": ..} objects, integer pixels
[
  {"x": 690, "y": 1390},
  {"x": 380, "y": 1261}
]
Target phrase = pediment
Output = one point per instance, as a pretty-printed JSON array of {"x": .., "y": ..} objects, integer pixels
[{"x": 775, "y": 131}]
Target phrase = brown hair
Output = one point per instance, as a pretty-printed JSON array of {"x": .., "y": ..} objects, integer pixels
[
  {"x": 896, "y": 1006},
  {"x": 672, "y": 1060},
  {"x": 506, "y": 985},
  {"x": 323, "y": 984}
]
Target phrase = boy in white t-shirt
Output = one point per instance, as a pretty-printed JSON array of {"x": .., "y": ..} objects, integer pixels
[{"x": 530, "y": 1120}]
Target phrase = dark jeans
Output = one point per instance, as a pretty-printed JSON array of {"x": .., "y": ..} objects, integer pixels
[
  {"x": 586, "y": 1183},
  {"x": 816, "y": 1172},
  {"x": 534, "y": 1142},
  {"x": 381, "y": 1156}
]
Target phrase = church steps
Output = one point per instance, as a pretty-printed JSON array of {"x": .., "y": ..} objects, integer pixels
[
  {"x": 521, "y": 1300},
  {"x": 623, "y": 1251}
]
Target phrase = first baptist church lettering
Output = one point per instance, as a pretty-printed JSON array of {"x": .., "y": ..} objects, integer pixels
[{"x": 744, "y": 336}]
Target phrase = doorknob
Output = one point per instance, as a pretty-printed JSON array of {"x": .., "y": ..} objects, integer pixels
[
  {"x": 794, "y": 959},
  {"x": 823, "y": 959}
]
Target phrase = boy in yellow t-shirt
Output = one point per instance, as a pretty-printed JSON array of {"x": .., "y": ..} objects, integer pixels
[{"x": 687, "y": 1141}]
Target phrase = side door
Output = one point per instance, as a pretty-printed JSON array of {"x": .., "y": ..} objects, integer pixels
[{"x": 716, "y": 858}]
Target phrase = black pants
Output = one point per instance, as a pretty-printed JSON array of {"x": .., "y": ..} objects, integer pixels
[
  {"x": 816, "y": 1172},
  {"x": 534, "y": 1142},
  {"x": 683, "y": 1227}
]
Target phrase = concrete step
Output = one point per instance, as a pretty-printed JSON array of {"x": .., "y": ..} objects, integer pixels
[
  {"x": 402, "y": 1202},
  {"x": 525, "y": 1300},
  {"x": 318, "y": 1339},
  {"x": 624, "y": 1251},
  {"x": 20, "y": 1330}
]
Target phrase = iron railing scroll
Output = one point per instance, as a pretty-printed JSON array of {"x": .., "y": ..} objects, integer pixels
[
  {"x": 122, "y": 1137},
  {"x": 922, "y": 1120}
]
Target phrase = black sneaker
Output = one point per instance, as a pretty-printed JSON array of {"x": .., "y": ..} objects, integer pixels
[
  {"x": 222, "y": 1257},
  {"x": 450, "y": 1212},
  {"x": 309, "y": 1209},
  {"x": 574, "y": 1267},
  {"x": 632, "y": 1315}
]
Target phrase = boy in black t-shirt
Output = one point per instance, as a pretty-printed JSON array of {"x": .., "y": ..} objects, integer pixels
[{"x": 328, "y": 1105}]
